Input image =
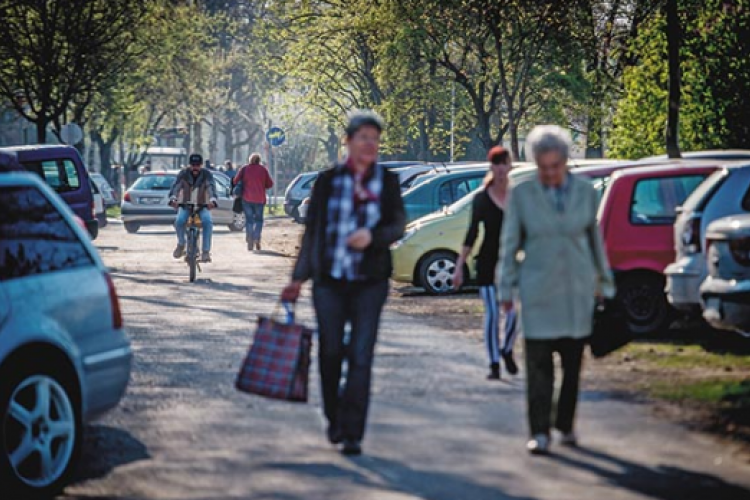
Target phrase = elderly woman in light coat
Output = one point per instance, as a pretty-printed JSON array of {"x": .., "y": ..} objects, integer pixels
[{"x": 553, "y": 257}]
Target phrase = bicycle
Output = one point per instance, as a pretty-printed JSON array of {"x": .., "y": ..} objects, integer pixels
[{"x": 193, "y": 234}]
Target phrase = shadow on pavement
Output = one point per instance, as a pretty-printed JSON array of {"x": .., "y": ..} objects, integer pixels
[
  {"x": 663, "y": 482},
  {"x": 105, "y": 449},
  {"x": 384, "y": 474}
]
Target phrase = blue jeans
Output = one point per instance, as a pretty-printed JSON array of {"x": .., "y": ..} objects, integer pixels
[
  {"x": 253, "y": 219},
  {"x": 206, "y": 221}
]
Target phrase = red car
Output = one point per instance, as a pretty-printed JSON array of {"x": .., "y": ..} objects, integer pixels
[{"x": 636, "y": 216}]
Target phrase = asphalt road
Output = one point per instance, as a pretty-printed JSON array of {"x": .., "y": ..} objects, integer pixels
[{"x": 437, "y": 430}]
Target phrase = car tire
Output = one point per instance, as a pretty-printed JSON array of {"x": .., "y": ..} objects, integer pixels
[
  {"x": 295, "y": 215},
  {"x": 238, "y": 222},
  {"x": 102, "y": 218},
  {"x": 645, "y": 303},
  {"x": 132, "y": 227},
  {"x": 59, "y": 429},
  {"x": 436, "y": 273}
]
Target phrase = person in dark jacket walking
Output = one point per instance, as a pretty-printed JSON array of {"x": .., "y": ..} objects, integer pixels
[
  {"x": 488, "y": 210},
  {"x": 356, "y": 213}
]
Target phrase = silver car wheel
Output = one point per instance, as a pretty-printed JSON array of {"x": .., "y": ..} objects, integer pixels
[
  {"x": 41, "y": 416},
  {"x": 440, "y": 275},
  {"x": 238, "y": 221}
]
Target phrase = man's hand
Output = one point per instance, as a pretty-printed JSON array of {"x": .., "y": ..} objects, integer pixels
[
  {"x": 173, "y": 203},
  {"x": 213, "y": 205},
  {"x": 291, "y": 292},
  {"x": 359, "y": 239}
]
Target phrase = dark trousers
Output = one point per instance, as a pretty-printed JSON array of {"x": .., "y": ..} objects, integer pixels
[
  {"x": 540, "y": 370},
  {"x": 359, "y": 305}
]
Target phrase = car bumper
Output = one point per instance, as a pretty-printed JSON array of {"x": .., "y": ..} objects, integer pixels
[
  {"x": 150, "y": 215},
  {"x": 106, "y": 374},
  {"x": 727, "y": 304},
  {"x": 684, "y": 279},
  {"x": 405, "y": 258}
]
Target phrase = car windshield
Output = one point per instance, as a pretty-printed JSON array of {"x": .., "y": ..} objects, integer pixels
[
  {"x": 702, "y": 194},
  {"x": 155, "y": 182}
]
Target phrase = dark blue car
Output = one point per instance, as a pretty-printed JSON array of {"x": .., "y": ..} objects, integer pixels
[{"x": 63, "y": 170}]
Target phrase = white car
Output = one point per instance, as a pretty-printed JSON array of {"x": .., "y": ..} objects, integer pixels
[
  {"x": 64, "y": 354},
  {"x": 726, "y": 292}
]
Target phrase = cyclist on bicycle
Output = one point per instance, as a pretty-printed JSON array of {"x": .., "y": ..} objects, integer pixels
[{"x": 195, "y": 185}]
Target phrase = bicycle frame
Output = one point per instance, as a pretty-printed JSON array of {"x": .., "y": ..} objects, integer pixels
[{"x": 193, "y": 226}]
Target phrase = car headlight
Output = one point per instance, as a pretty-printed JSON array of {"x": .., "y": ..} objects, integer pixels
[{"x": 406, "y": 237}]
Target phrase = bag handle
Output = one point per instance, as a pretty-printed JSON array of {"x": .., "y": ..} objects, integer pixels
[{"x": 288, "y": 308}]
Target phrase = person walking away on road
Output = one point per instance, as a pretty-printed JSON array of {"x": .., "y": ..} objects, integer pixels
[
  {"x": 488, "y": 209},
  {"x": 356, "y": 213},
  {"x": 255, "y": 181},
  {"x": 552, "y": 220},
  {"x": 229, "y": 170},
  {"x": 194, "y": 185}
]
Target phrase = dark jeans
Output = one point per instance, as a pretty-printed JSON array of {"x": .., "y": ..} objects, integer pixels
[
  {"x": 540, "y": 369},
  {"x": 253, "y": 220},
  {"x": 360, "y": 305}
]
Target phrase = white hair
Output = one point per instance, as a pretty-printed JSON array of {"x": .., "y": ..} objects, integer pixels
[{"x": 546, "y": 138}]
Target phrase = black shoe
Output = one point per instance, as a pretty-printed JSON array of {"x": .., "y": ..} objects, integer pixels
[
  {"x": 334, "y": 435},
  {"x": 494, "y": 372},
  {"x": 250, "y": 245},
  {"x": 510, "y": 363},
  {"x": 257, "y": 245},
  {"x": 351, "y": 448}
]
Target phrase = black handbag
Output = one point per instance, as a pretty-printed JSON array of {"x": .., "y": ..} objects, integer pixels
[
  {"x": 610, "y": 328},
  {"x": 237, "y": 206}
]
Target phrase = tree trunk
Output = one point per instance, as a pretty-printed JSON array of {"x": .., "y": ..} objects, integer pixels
[
  {"x": 213, "y": 142},
  {"x": 594, "y": 133},
  {"x": 41, "y": 129},
  {"x": 674, "y": 40},
  {"x": 229, "y": 137}
]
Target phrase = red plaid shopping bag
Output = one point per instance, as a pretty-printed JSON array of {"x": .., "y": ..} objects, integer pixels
[{"x": 278, "y": 362}]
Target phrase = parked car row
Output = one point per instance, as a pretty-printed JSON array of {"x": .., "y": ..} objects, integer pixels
[
  {"x": 711, "y": 272},
  {"x": 64, "y": 357},
  {"x": 639, "y": 206}
]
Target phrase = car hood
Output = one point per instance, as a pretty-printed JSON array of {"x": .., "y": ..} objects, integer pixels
[{"x": 430, "y": 219}]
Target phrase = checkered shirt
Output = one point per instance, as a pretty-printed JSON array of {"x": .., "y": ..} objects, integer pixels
[{"x": 344, "y": 217}]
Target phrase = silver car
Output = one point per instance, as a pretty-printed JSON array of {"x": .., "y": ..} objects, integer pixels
[
  {"x": 724, "y": 193},
  {"x": 108, "y": 194},
  {"x": 64, "y": 354},
  {"x": 726, "y": 291},
  {"x": 146, "y": 203}
]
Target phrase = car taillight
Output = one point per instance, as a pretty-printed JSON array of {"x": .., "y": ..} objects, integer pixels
[
  {"x": 691, "y": 237},
  {"x": 114, "y": 302},
  {"x": 127, "y": 196},
  {"x": 740, "y": 248}
]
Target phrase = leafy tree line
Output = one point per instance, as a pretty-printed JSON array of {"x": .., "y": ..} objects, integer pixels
[{"x": 463, "y": 73}]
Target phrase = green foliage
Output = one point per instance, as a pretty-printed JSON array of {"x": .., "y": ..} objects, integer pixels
[{"x": 715, "y": 107}]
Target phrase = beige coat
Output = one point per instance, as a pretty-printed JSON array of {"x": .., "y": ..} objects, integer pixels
[{"x": 555, "y": 261}]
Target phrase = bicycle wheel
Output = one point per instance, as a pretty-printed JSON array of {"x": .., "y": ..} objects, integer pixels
[{"x": 193, "y": 253}]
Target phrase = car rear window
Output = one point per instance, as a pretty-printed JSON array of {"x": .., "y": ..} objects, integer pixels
[
  {"x": 698, "y": 199},
  {"x": 655, "y": 200},
  {"x": 34, "y": 237},
  {"x": 61, "y": 175},
  {"x": 155, "y": 182}
]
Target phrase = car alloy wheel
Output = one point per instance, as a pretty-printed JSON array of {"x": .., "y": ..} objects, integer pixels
[
  {"x": 40, "y": 432},
  {"x": 238, "y": 222},
  {"x": 437, "y": 273}
]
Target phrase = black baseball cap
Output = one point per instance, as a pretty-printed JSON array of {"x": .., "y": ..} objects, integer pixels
[{"x": 196, "y": 159}]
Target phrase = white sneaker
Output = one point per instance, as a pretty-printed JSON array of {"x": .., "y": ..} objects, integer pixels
[
  {"x": 538, "y": 445},
  {"x": 569, "y": 439}
]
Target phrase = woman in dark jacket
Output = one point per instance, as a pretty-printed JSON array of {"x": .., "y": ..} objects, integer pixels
[
  {"x": 488, "y": 210},
  {"x": 355, "y": 214}
]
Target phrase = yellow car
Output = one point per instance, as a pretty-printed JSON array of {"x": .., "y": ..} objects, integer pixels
[{"x": 426, "y": 255}]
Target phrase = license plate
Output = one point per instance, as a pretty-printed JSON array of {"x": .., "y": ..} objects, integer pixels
[{"x": 151, "y": 201}]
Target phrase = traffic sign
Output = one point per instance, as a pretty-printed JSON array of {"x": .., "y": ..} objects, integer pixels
[
  {"x": 71, "y": 134},
  {"x": 276, "y": 136}
]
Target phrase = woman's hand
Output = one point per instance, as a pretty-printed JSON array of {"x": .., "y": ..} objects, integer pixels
[
  {"x": 291, "y": 292},
  {"x": 359, "y": 239},
  {"x": 507, "y": 306},
  {"x": 458, "y": 277}
]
